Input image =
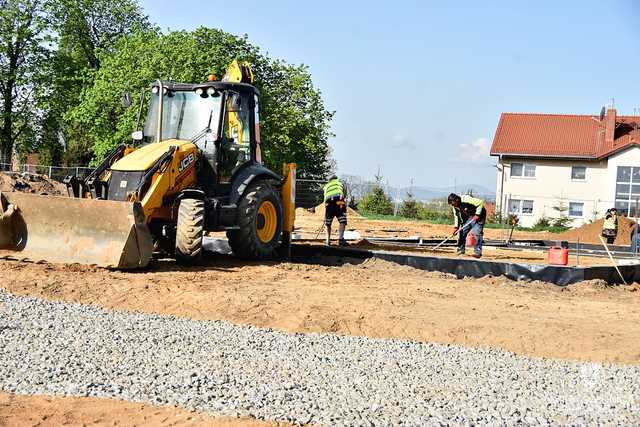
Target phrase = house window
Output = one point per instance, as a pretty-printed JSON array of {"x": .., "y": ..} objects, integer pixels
[
  {"x": 579, "y": 173},
  {"x": 525, "y": 170},
  {"x": 520, "y": 207},
  {"x": 516, "y": 169},
  {"x": 576, "y": 209},
  {"x": 628, "y": 190}
]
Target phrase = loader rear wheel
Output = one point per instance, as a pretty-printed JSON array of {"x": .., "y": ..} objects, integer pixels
[
  {"x": 189, "y": 231},
  {"x": 260, "y": 223}
]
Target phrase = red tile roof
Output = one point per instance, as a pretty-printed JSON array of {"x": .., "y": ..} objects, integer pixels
[{"x": 562, "y": 135}]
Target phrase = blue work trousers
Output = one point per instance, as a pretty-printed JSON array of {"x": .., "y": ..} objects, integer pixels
[{"x": 475, "y": 229}]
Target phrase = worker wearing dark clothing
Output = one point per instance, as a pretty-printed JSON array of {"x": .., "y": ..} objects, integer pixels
[
  {"x": 335, "y": 207},
  {"x": 635, "y": 238},
  {"x": 469, "y": 215},
  {"x": 610, "y": 225}
]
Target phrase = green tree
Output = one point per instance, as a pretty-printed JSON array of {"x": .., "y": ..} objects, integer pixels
[
  {"x": 376, "y": 202},
  {"x": 85, "y": 29},
  {"x": 294, "y": 121},
  {"x": 409, "y": 207},
  {"x": 88, "y": 27},
  {"x": 562, "y": 220},
  {"x": 24, "y": 47}
]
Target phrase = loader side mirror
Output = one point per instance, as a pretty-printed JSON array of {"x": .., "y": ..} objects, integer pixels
[
  {"x": 137, "y": 135},
  {"x": 126, "y": 100}
]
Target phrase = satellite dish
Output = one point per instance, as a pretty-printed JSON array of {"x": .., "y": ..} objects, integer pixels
[{"x": 602, "y": 113}]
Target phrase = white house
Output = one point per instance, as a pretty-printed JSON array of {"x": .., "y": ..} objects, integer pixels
[{"x": 571, "y": 165}]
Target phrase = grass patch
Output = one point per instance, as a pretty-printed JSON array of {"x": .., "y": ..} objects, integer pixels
[{"x": 491, "y": 225}]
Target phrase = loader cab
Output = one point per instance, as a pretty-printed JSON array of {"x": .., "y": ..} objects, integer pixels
[{"x": 221, "y": 118}]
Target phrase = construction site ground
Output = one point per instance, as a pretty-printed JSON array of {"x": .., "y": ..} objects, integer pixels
[
  {"x": 589, "y": 321},
  {"x": 24, "y": 411}
]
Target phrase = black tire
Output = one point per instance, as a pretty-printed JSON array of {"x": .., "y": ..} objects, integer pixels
[
  {"x": 189, "y": 231},
  {"x": 246, "y": 242}
]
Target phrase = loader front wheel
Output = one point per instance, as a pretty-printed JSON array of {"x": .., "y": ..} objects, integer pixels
[
  {"x": 260, "y": 223},
  {"x": 189, "y": 231}
]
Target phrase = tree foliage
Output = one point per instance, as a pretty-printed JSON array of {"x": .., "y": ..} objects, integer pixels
[
  {"x": 86, "y": 29},
  {"x": 24, "y": 47},
  {"x": 562, "y": 220},
  {"x": 409, "y": 207},
  {"x": 376, "y": 202},
  {"x": 48, "y": 52},
  {"x": 64, "y": 65},
  {"x": 294, "y": 121}
]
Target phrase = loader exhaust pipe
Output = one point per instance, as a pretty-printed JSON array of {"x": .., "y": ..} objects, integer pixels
[{"x": 160, "y": 108}]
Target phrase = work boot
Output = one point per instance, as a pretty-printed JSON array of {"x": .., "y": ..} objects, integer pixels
[
  {"x": 459, "y": 251},
  {"x": 343, "y": 242}
]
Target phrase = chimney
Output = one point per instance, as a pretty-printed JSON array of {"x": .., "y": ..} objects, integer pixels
[{"x": 610, "y": 127}]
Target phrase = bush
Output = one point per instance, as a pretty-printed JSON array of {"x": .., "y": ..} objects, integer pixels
[
  {"x": 409, "y": 208},
  {"x": 376, "y": 202},
  {"x": 562, "y": 222},
  {"x": 435, "y": 216},
  {"x": 542, "y": 222}
]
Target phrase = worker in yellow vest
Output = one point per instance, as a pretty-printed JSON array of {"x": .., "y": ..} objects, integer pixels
[
  {"x": 335, "y": 207},
  {"x": 610, "y": 225},
  {"x": 469, "y": 215}
]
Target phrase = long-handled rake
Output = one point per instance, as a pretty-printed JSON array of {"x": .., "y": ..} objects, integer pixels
[
  {"x": 445, "y": 240},
  {"x": 319, "y": 231}
]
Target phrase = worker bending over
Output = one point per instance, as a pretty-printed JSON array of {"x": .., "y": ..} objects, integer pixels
[
  {"x": 469, "y": 215},
  {"x": 335, "y": 206}
]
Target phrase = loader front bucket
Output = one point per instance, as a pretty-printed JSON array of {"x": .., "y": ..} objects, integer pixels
[{"x": 71, "y": 230}]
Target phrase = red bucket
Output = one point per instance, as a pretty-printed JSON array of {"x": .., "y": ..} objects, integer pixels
[
  {"x": 558, "y": 256},
  {"x": 471, "y": 240}
]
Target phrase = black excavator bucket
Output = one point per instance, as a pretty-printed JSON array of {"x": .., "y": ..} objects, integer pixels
[{"x": 71, "y": 230}]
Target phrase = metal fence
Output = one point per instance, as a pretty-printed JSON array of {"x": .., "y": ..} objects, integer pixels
[{"x": 54, "y": 172}]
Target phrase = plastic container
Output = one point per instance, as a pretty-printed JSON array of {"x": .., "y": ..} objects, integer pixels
[
  {"x": 558, "y": 256},
  {"x": 471, "y": 240}
]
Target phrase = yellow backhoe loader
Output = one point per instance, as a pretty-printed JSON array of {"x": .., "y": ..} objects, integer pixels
[{"x": 196, "y": 168}]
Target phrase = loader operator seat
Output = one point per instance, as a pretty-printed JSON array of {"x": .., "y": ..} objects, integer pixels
[
  {"x": 235, "y": 149},
  {"x": 207, "y": 169}
]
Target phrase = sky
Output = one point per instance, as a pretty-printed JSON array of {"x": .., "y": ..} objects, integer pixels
[{"x": 418, "y": 86}]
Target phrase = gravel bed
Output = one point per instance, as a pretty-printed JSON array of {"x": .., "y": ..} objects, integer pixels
[{"x": 214, "y": 366}]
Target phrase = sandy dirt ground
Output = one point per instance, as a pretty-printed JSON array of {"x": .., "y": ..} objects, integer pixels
[
  {"x": 48, "y": 411},
  {"x": 587, "y": 321}
]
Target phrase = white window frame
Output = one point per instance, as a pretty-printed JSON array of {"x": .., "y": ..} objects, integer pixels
[
  {"x": 519, "y": 211},
  {"x": 582, "y": 210},
  {"x": 524, "y": 168},
  {"x": 630, "y": 200},
  {"x": 579, "y": 179}
]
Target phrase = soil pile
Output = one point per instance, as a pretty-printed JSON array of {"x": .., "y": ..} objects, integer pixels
[
  {"x": 31, "y": 183},
  {"x": 589, "y": 233}
]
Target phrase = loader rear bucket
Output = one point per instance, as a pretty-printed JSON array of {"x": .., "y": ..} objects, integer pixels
[{"x": 71, "y": 230}]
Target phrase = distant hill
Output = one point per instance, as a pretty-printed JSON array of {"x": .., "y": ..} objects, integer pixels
[
  {"x": 429, "y": 193},
  {"x": 359, "y": 186}
]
